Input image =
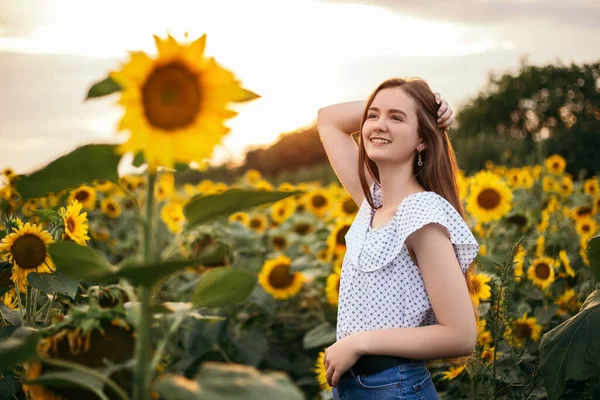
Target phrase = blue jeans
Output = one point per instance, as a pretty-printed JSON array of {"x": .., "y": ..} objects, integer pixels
[{"x": 410, "y": 381}]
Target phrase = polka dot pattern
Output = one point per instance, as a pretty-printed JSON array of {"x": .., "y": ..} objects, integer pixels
[{"x": 380, "y": 286}]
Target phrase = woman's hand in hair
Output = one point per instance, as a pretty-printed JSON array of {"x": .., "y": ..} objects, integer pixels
[{"x": 445, "y": 113}]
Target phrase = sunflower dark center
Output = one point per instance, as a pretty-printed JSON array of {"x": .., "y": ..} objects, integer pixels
[
  {"x": 518, "y": 219},
  {"x": 281, "y": 212},
  {"x": 476, "y": 286},
  {"x": 302, "y": 228},
  {"x": 349, "y": 206},
  {"x": 584, "y": 211},
  {"x": 279, "y": 242},
  {"x": 82, "y": 195},
  {"x": 340, "y": 236},
  {"x": 542, "y": 271},
  {"x": 586, "y": 227},
  {"x": 523, "y": 330},
  {"x": 255, "y": 223},
  {"x": 488, "y": 199},
  {"x": 319, "y": 201},
  {"x": 111, "y": 207},
  {"x": 171, "y": 97},
  {"x": 29, "y": 251},
  {"x": 280, "y": 277},
  {"x": 555, "y": 165},
  {"x": 71, "y": 224}
]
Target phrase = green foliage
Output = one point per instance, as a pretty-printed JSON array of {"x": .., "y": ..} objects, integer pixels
[{"x": 83, "y": 165}]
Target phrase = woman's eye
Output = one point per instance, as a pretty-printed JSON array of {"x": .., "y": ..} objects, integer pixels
[
  {"x": 372, "y": 116},
  {"x": 396, "y": 118}
]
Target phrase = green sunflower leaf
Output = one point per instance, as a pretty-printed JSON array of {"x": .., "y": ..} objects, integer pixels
[
  {"x": 223, "y": 286},
  {"x": 103, "y": 88},
  {"x": 57, "y": 282},
  {"x": 319, "y": 336},
  {"x": 204, "y": 208},
  {"x": 83, "y": 165},
  {"x": 229, "y": 382},
  {"x": 594, "y": 254},
  {"x": 80, "y": 262},
  {"x": 571, "y": 351},
  {"x": 21, "y": 346}
]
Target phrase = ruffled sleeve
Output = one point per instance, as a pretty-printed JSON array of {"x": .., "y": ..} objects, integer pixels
[{"x": 416, "y": 211}]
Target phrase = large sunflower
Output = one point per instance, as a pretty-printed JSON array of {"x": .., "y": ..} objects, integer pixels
[
  {"x": 76, "y": 223},
  {"x": 276, "y": 279},
  {"x": 541, "y": 272},
  {"x": 175, "y": 104},
  {"x": 26, "y": 248},
  {"x": 86, "y": 195},
  {"x": 490, "y": 198}
]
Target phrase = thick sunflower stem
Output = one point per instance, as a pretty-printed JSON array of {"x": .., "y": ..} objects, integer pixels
[{"x": 141, "y": 387}]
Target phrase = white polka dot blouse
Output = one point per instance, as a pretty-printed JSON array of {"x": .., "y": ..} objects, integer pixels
[{"x": 380, "y": 285}]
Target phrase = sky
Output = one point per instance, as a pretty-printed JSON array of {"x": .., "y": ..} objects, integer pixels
[{"x": 298, "y": 55}]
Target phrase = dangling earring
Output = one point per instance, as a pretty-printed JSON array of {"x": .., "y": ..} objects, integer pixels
[{"x": 419, "y": 160}]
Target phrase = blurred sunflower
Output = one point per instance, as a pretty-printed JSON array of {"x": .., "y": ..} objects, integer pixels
[
  {"x": 241, "y": 217},
  {"x": 582, "y": 212},
  {"x": 453, "y": 372},
  {"x": 597, "y": 205},
  {"x": 263, "y": 185},
  {"x": 526, "y": 181},
  {"x": 519, "y": 260},
  {"x": 550, "y": 185},
  {"x": 86, "y": 195},
  {"x": 483, "y": 337},
  {"x": 165, "y": 186},
  {"x": 591, "y": 186},
  {"x": 346, "y": 207},
  {"x": 522, "y": 329},
  {"x": 303, "y": 226},
  {"x": 276, "y": 279},
  {"x": 110, "y": 207},
  {"x": 332, "y": 288},
  {"x": 555, "y": 164},
  {"x": 540, "y": 245},
  {"x": 490, "y": 198},
  {"x": 27, "y": 249},
  {"x": 286, "y": 187},
  {"x": 258, "y": 223},
  {"x": 76, "y": 223},
  {"x": 513, "y": 177},
  {"x": 10, "y": 299},
  {"x": 279, "y": 241},
  {"x": 479, "y": 288},
  {"x": 321, "y": 372},
  {"x": 567, "y": 302},
  {"x": 586, "y": 227},
  {"x": 541, "y": 272},
  {"x": 566, "y": 186},
  {"x": 176, "y": 104},
  {"x": 487, "y": 355},
  {"x": 173, "y": 217},
  {"x": 462, "y": 185},
  {"x": 564, "y": 259},
  {"x": 337, "y": 238},
  {"x": 318, "y": 202},
  {"x": 102, "y": 185},
  {"x": 252, "y": 176},
  {"x": 282, "y": 210}
]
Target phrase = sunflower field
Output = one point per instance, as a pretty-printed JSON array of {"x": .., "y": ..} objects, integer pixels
[{"x": 134, "y": 286}]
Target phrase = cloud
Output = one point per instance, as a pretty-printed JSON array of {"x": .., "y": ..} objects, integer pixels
[{"x": 573, "y": 13}]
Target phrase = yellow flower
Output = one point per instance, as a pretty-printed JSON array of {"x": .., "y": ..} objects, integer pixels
[
  {"x": 566, "y": 186},
  {"x": 318, "y": 202},
  {"x": 258, "y": 222},
  {"x": 453, "y": 372},
  {"x": 346, "y": 207},
  {"x": 263, "y": 185},
  {"x": 597, "y": 205},
  {"x": 539, "y": 246},
  {"x": 490, "y": 198},
  {"x": 103, "y": 185},
  {"x": 165, "y": 186},
  {"x": 555, "y": 164},
  {"x": 487, "y": 355},
  {"x": 279, "y": 241},
  {"x": 252, "y": 176},
  {"x": 519, "y": 260},
  {"x": 480, "y": 290},
  {"x": 10, "y": 299},
  {"x": 483, "y": 250},
  {"x": 241, "y": 217},
  {"x": 524, "y": 328},
  {"x": 582, "y": 212},
  {"x": 282, "y": 210},
  {"x": 562, "y": 255},
  {"x": 276, "y": 279},
  {"x": 76, "y": 223},
  {"x": 27, "y": 249},
  {"x": 541, "y": 272},
  {"x": 332, "y": 288},
  {"x": 173, "y": 217},
  {"x": 483, "y": 337},
  {"x": 86, "y": 195},
  {"x": 513, "y": 177},
  {"x": 550, "y": 184},
  {"x": 586, "y": 227},
  {"x": 110, "y": 207},
  {"x": 337, "y": 238},
  {"x": 321, "y": 372},
  {"x": 176, "y": 104},
  {"x": 567, "y": 302},
  {"x": 591, "y": 186}
]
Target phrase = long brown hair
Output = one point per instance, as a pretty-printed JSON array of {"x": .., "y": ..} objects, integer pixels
[{"x": 439, "y": 171}]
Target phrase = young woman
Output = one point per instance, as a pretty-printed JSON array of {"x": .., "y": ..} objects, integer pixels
[{"x": 403, "y": 295}]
